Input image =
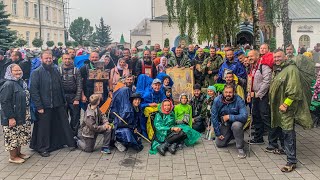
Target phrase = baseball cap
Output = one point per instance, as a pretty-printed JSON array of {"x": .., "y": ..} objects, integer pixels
[{"x": 155, "y": 81}]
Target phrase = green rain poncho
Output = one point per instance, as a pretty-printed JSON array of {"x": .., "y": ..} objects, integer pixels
[
  {"x": 181, "y": 110},
  {"x": 286, "y": 86},
  {"x": 163, "y": 123}
]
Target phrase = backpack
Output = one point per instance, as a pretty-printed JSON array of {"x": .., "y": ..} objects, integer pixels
[
  {"x": 306, "y": 68},
  {"x": 74, "y": 72}
]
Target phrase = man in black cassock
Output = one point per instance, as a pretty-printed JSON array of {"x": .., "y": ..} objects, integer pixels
[{"x": 51, "y": 131}]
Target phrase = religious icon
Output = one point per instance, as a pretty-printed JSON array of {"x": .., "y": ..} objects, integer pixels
[
  {"x": 92, "y": 74},
  {"x": 105, "y": 74},
  {"x": 98, "y": 87},
  {"x": 148, "y": 71}
]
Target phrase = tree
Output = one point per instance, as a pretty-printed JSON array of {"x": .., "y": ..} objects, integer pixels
[
  {"x": 273, "y": 44},
  {"x": 210, "y": 18},
  {"x": 286, "y": 22},
  {"x": 50, "y": 43},
  {"x": 75, "y": 43},
  {"x": 80, "y": 30},
  {"x": 102, "y": 36},
  {"x": 7, "y": 36},
  {"x": 37, "y": 42},
  {"x": 68, "y": 43},
  {"x": 86, "y": 43},
  {"x": 60, "y": 44},
  {"x": 20, "y": 42},
  {"x": 166, "y": 42}
]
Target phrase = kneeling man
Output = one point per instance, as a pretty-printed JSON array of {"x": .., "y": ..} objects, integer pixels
[{"x": 228, "y": 116}]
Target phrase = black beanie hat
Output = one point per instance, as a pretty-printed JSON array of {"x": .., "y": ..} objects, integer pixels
[{"x": 197, "y": 86}]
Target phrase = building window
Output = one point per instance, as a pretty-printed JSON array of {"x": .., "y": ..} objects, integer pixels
[
  {"x": 28, "y": 38},
  {"x": 36, "y": 35},
  {"x": 14, "y": 7},
  {"x": 47, "y": 13},
  {"x": 35, "y": 11},
  {"x": 48, "y": 37},
  {"x": 304, "y": 40},
  {"x": 26, "y": 8}
]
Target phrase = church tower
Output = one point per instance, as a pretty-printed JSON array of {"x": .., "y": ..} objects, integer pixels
[{"x": 158, "y": 8}]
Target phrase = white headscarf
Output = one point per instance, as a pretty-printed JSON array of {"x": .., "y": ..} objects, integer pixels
[{"x": 9, "y": 75}]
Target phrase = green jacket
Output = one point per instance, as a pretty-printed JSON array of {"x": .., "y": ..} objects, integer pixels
[
  {"x": 285, "y": 87},
  {"x": 163, "y": 123},
  {"x": 184, "y": 61},
  {"x": 181, "y": 110},
  {"x": 216, "y": 62}
]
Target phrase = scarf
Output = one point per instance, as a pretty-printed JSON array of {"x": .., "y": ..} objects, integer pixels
[{"x": 9, "y": 76}]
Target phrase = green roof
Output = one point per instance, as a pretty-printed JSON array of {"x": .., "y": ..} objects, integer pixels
[
  {"x": 304, "y": 9},
  {"x": 122, "y": 41}
]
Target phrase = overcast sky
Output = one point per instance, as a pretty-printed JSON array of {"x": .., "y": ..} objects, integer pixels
[{"x": 121, "y": 15}]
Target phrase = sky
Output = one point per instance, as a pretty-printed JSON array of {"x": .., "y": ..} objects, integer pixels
[{"x": 121, "y": 15}]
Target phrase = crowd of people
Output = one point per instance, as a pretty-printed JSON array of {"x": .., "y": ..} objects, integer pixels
[{"x": 49, "y": 92}]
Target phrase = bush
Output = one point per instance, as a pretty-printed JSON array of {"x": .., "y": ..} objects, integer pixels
[
  {"x": 50, "y": 43},
  {"x": 68, "y": 43},
  {"x": 60, "y": 44},
  {"x": 37, "y": 42}
]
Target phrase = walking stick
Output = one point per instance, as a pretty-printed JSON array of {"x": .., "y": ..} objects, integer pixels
[
  {"x": 250, "y": 136},
  {"x": 127, "y": 124}
]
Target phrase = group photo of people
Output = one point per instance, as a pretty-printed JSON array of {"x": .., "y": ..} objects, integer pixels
[{"x": 160, "y": 99}]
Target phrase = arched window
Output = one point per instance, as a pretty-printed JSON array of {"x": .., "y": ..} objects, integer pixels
[
  {"x": 304, "y": 40},
  {"x": 139, "y": 43}
]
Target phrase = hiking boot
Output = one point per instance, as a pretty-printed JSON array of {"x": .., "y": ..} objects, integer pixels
[
  {"x": 163, "y": 148},
  {"x": 173, "y": 148},
  {"x": 120, "y": 146},
  {"x": 241, "y": 154},
  {"x": 256, "y": 142}
]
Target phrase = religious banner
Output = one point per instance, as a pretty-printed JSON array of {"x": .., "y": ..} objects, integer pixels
[{"x": 183, "y": 82}]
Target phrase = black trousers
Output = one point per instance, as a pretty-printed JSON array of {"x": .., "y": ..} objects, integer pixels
[
  {"x": 261, "y": 115},
  {"x": 51, "y": 131},
  {"x": 74, "y": 112},
  {"x": 290, "y": 145}
]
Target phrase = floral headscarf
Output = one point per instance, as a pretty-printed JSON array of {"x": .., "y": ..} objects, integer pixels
[
  {"x": 162, "y": 109},
  {"x": 9, "y": 75}
]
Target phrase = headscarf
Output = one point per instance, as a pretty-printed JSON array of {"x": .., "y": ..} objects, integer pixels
[
  {"x": 162, "y": 109},
  {"x": 118, "y": 64},
  {"x": 162, "y": 67},
  {"x": 9, "y": 75},
  {"x": 183, "y": 94}
]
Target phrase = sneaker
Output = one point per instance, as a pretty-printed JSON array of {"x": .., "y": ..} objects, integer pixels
[
  {"x": 269, "y": 149},
  {"x": 241, "y": 154},
  {"x": 256, "y": 142},
  {"x": 105, "y": 150},
  {"x": 120, "y": 146}
]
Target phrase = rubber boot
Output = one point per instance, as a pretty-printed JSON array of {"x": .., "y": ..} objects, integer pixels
[
  {"x": 173, "y": 148},
  {"x": 163, "y": 148}
]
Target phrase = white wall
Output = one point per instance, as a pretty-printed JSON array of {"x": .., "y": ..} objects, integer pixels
[
  {"x": 135, "y": 39},
  {"x": 314, "y": 36},
  {"x": 160, "y": 8}
]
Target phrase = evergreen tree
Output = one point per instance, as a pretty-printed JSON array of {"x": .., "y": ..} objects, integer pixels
[
  {"x": 80, "y": 30},
  {"x": 7, "y": 36},
  {"x": 102, "y": 36}
]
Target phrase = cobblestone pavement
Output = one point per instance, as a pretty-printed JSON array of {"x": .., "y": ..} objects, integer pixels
[{"x": 203, "y": 161}]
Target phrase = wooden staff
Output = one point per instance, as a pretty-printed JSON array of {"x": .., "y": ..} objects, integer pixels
[{"x": 127, "y": 124}]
